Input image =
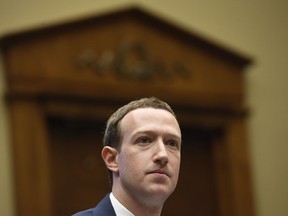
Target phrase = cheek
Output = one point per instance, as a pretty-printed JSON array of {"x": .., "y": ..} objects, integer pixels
[
  {"x": 127, "y": 162},
  {"x": 176, "y": 169},
  {"x": 176, "y": 163}
]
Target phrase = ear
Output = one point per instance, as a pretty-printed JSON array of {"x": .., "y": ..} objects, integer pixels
[{"x": 110, "y": 157}]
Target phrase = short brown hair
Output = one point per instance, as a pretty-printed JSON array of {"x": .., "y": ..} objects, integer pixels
[{"x": 112, "y": 132}]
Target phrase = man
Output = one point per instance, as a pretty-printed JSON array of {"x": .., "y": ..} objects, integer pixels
[{"x": 142, "y": 144}]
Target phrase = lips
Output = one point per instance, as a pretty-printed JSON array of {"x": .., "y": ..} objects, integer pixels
[{"x": 159, "y": 171}]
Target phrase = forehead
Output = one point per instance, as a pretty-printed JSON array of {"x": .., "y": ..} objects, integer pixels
[{"x": 149, "y": 118}]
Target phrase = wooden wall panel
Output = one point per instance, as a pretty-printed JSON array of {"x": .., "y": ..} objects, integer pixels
[{"x": 80, "y": 72}]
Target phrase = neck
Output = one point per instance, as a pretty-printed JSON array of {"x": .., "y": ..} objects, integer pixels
[{"x": 138, "y": 205}]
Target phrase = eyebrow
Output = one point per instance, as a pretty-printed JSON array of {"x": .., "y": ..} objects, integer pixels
[{"x": 173, "y": 135}]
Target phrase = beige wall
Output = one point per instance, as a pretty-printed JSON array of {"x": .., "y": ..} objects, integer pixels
[{"x": 257, "y": 28}]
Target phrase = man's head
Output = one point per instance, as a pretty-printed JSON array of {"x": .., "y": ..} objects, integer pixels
[
  {"x": 112, "y": 136},
  {"x": 141, "y": 150}
]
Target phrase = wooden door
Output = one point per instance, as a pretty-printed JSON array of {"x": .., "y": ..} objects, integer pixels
[
  {"x": 196, "y": 190},
  {"x": 78, "y": 175},
  {"x": 57, "y": 73}
]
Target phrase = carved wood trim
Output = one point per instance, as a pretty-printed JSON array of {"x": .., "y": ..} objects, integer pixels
[{"x": 208, "y": 92}]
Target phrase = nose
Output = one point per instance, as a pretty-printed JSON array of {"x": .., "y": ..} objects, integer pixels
[{"x": 160, "y": 153}]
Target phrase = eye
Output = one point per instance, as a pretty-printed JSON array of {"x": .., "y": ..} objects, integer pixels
[
  {"x": 143, "y": 140},
  {"x": 173, "y": 143}
]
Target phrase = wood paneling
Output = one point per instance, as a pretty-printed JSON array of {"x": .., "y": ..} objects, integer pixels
[{"x": 64, "y": 81}]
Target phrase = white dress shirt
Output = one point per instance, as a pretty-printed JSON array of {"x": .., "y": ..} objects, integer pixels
[{"x": 119, "y": 209}]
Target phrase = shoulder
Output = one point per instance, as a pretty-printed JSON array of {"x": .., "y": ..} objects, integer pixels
[
  {"x": 88, "y": 212},
  {"x": 104, "y": 208}
]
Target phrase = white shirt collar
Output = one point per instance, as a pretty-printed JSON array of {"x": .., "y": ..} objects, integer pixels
[{"x": 119, "y": 209}]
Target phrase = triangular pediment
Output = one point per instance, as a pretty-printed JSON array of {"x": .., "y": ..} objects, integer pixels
[{"x": 126, "y": 47}]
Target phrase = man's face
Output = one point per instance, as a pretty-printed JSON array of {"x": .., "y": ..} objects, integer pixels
[{"x": 149, "y": 159}]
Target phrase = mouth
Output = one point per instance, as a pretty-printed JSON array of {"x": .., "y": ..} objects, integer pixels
[{"x": 159, "y": 172}]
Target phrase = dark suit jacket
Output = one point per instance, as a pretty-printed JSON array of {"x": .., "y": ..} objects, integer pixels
[{"x": 104, "y": 208}]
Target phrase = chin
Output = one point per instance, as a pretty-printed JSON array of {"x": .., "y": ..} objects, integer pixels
[{"x": 160, "y": 193}]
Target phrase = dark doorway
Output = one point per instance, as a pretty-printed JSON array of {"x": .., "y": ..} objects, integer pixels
[
  {"x": 196, "y": 190},
  {"x": 78, "y": 173}
]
